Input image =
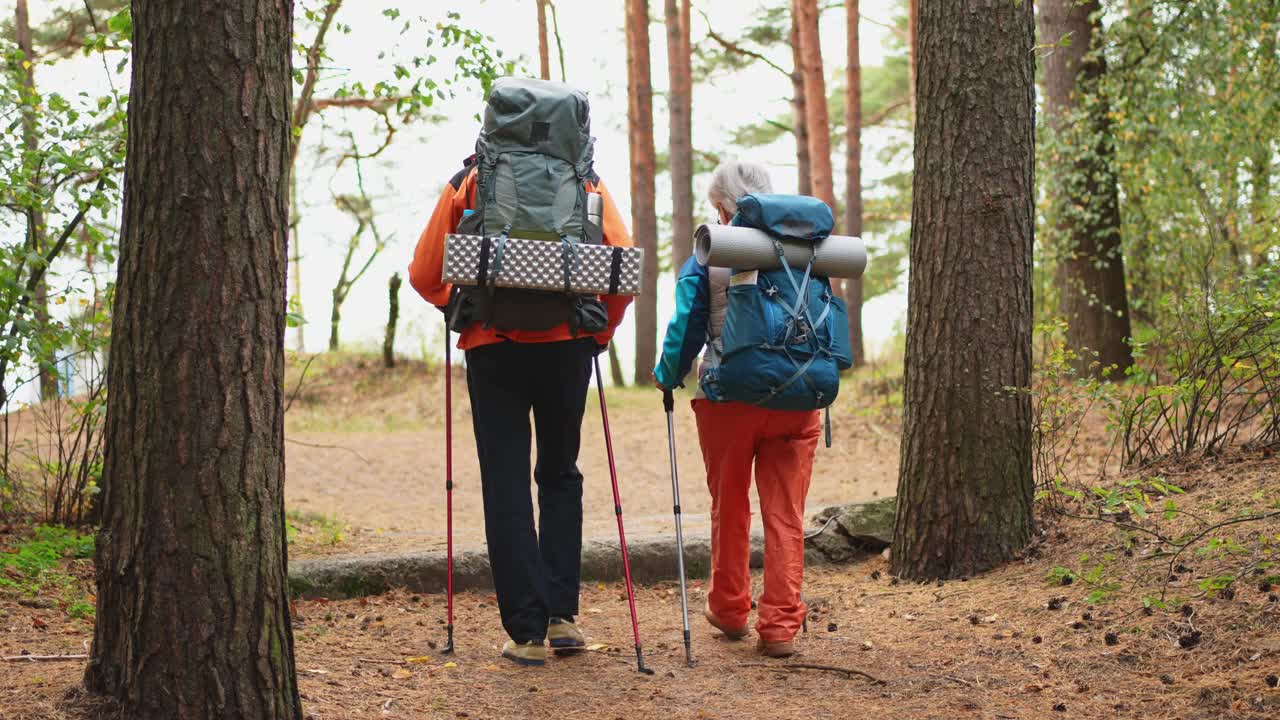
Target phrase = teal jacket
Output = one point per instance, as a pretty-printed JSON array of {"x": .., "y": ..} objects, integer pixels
[{"x": 687, "y": 331}]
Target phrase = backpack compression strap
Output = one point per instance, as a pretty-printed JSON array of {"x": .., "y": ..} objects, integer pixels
[{"x": 799, "y": 313}]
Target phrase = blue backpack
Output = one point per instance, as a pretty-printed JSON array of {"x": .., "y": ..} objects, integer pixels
[{"x": 786, "y": 335}]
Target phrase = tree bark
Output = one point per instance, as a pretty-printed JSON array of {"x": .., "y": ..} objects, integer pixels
[
  {"x": 46, "y": 362},
  {"x": 1085, "y": 194},
  {"x": 1259, "y": 204},
  {"x": 965, "y": 486},
  {"x": 335, "y": 320},
  {"x": 393, "y": 317},
  {"x": 799, "y": 111},
  {"x": 644, "y": 220},
  {"x": 817, "y": 118},
  {"x": 544, "y": 49},
  {"x": 193, "y": 608},
  {"x": 1261, "y": 200},
  {"x": 679, "y": 102},
  {"x": 853, "y": 174}
]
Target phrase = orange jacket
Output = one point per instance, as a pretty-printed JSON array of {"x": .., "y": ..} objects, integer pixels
[{"x": 428, "y": 264}]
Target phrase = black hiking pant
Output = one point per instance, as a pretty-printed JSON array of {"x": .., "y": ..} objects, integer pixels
[{"x": 536, "y": 575}]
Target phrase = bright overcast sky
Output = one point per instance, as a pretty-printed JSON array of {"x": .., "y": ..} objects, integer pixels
[{"x": 407, "y": 182}]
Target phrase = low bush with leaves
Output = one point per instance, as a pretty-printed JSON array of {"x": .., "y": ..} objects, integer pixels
[
  {"x": 1213, "y": 377},
  {"x": 1061, "y": 399}
]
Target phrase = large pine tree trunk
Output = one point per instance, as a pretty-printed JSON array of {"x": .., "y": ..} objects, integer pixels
[
  {"x": 817, "y": 117},
  {"x": 193, "y": 608},
  {"x": 1085, "y": 195},
  {"x": 965, "y": 486},
  {"x": 679, "y": 103},
  {"x": 800, "y": 112},
  {"x": 36, "y": 231},
  {"x": 853, "y": 174},
  {"x": 544, "y": 49},
  {"x": 644, "y": 222}
]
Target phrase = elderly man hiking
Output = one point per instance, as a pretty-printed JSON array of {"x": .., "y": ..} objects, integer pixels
[{"x": 528, "y": 351}]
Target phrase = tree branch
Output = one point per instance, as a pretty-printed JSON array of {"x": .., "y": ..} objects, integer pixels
[
  {"x": 737, "y": 49},
  {"x": 902, "y": 34},
  {"x": 884, "y": 112},
  {"x": 302, "y": 110},
  {"x": 555, "y": 30},
  {"x": 377, "y": 104},
  {"x": 37, "y": 274},
  {"x": 810, "y": 666}
]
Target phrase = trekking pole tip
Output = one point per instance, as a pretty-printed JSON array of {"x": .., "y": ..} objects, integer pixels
[
  {"x": 640, "y": 662},
  {"x": 448, "y": 648}
]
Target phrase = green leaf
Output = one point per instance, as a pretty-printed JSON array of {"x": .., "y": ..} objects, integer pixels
[{"x": 121, "y": 23}]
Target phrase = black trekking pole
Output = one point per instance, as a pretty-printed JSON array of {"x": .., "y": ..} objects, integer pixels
[
  {"x": 668, "y": 402},
  {"x": 448, "y": 477},
  {"x": 617, "y": 510}
]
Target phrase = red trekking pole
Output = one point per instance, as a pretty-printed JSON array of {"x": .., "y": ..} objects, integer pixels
[
  {"x": 448, "y": 476},
  {"x": 617, "y": 510}
]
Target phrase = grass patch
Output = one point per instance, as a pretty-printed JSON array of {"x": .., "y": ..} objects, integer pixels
[
  {"x": 38, "y": 567},
  {"x": 312, "y": 528}
]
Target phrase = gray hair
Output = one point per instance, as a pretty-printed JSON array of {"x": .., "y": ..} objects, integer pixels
[{"x": 734, "y": 179}]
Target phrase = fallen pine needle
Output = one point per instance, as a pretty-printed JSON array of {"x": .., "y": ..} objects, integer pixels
[
  {"x": 43, "y": 658},
  {"x": 809, "y": 666}
]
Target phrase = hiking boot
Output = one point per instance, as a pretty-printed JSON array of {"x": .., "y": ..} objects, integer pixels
[
  {"x": 563, "y": 635},
  {"x": 530, "y": 653},
  {"x": 776, "y": 648},
  {"x": 730, "y": 632}
]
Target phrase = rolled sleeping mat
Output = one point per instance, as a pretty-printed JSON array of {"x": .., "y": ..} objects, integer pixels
[
  {"x": 742, "y": 248},
  {"x": 540, "y": 265}
]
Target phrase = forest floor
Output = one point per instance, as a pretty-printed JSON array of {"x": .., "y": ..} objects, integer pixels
[{"x": 1061, "y": 632}]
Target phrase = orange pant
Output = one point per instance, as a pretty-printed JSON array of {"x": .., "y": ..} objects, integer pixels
[{"x": 781, "y": 444}]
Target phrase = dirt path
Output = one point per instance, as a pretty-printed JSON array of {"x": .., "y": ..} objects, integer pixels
[
  {"x": 988, "y": 649},
  {"x": 388, "y": 484}
]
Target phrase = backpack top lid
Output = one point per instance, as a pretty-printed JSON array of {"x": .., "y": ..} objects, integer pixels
[
  {"x": 786, "y": 217},
  {"x": 528, "y": 115}
]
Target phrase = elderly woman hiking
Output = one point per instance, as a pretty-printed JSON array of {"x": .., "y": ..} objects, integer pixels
[{"x": 734, "y": 436}]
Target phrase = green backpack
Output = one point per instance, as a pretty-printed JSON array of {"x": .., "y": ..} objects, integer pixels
[{"x": 534, "y": 153}]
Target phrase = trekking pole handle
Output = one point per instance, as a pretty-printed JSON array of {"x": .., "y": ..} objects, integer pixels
[{"x": 668, "y": 400}]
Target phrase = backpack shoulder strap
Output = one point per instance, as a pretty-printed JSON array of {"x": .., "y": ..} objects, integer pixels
[{"x": 461, "y": 176}]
